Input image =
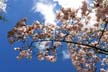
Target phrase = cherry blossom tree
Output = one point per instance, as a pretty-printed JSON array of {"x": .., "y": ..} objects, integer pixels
[{"x": 83, "y": 30}]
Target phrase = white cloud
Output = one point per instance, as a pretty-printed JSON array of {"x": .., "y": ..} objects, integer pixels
[
  {"x": 42, "y": 45},
  {"x": 66, "y": 54},
  {"x": 46, "y": 8},
  {"x": 3, "y": 6},
  {"x": 70, "y": 3}
]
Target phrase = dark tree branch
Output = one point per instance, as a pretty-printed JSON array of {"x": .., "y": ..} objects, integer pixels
[
  {"x": 102, "y": 33},
  {"x": 93, "y": 47}
]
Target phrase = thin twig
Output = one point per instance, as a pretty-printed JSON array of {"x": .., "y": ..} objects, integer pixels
[{"x": 102, "y": 33}]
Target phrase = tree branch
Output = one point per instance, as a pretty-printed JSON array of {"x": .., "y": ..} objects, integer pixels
[
  {"x": 102, "y": 33},
  {"x": 93, "y": 47}
]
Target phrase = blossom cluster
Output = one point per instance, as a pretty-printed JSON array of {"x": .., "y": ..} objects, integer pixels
[{"x": 84, "y": 30}]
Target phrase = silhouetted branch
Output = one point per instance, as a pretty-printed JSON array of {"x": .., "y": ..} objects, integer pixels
[
  {"x": 102, "y": 33},
  {"x": 93, "y": 47}
]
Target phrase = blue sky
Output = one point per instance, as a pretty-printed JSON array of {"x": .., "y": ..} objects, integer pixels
[{"x": 17, "y": 9}]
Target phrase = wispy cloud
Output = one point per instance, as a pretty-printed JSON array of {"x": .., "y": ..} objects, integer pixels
[
  {"x": 3, "y": 6},
  {"x": 46, "y": 8},
  {"x": 66, "y": 54},
  {"x": 70, "y": 3}
]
